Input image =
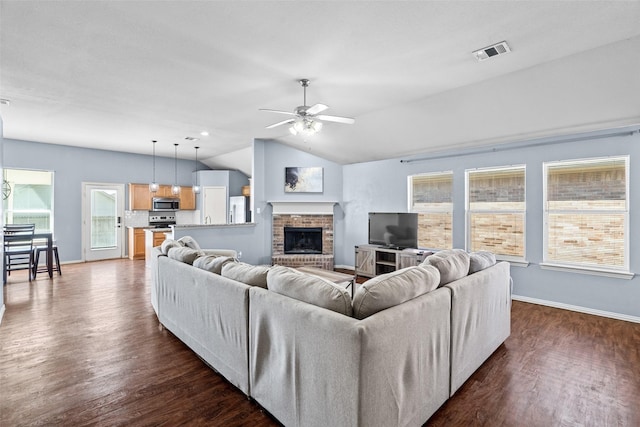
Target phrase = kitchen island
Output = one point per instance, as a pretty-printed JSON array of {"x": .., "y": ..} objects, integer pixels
[
  {"x": 154, "y": 237},
  {"x": 243, "y": 238}
]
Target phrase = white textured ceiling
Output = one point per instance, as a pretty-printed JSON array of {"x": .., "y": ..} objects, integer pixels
[{"x": 116, "y": 74}]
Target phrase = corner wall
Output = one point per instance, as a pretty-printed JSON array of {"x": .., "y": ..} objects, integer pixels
[{"x": 382, "y": 186}]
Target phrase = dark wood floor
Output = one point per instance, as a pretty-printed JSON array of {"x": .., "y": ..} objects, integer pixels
[{"x": 85, "y": 349}]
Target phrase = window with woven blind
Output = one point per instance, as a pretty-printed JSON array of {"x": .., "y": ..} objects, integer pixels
[
  {"x": 431, "y": 196},
  {"x": 586, "y": 213},
  {"x": 496, "y": 211},
  {"x": 28, "y": 198}
]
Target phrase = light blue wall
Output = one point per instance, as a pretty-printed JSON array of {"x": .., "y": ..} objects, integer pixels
[
  {"x": 269, "y": 161},
  {"x": 73, "y": 165},
  {"x": 382, "y": 186}
]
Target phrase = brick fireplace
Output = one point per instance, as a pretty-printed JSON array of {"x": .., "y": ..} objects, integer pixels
[{"x": 301, "y": 216}]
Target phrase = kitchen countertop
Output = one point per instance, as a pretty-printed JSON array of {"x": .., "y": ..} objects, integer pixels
[{"x": 243, "y": 224}]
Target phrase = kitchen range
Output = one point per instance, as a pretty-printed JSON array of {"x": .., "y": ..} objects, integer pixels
[{"x": 161, "y": 219}]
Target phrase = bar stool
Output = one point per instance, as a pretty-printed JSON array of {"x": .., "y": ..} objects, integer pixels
[{"x": 43, "y": 269}]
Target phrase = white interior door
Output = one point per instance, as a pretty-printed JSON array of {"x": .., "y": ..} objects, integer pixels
[
  {"x": 215, "y": 205},
  {"x": 102, "y": 212}
]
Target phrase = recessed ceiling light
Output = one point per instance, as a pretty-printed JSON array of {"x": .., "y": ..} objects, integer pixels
[{"x": 204, "y": 133}]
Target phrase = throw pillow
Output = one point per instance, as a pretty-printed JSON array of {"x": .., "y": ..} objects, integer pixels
[
  {"x": 310, "y": 289},
  {"x": 168, "y": 244},
  {"x": 212, "y": 263},
  {"x": 253, "y": 275},
  {"x": 481, "y": 260},
  {"x": 183, "y": 254},
  {"x": 391, "y": 289},
  {"x": 453, "y": 264},
  {"x": 189, "y": 242}
]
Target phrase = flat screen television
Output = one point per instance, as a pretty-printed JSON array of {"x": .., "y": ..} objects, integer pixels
[{"x": 393, "y": 229}]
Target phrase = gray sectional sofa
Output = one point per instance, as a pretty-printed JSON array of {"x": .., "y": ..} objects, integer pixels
[{"x": 304, "y": 351}]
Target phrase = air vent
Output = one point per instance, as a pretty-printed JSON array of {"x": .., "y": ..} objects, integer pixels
[
  {"x": 493, "y": 50},
  {"x": 190, "y": 138}
]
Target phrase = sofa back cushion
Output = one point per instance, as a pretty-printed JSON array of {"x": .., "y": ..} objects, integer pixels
[
  {"x": 212, "y": 263},
  {"x": 453, "y": 264},
  {"x": 480, "y": 260},
  {"x": 391, "y": 289},
  {"x": 189, "y": 242},
  {"x": 168, "y": 244},
  {"x": 253, "y": 275},
  {"x": 310, "y": 289},
  {"x": 184, "y": 254}
]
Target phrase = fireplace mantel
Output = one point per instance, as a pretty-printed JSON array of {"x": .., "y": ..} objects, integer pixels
[{"x": 303, "y": 208}]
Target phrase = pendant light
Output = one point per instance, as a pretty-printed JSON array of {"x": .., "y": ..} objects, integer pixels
[
  {"x": 153, "y": 186},
  {"x": 175, "y": 189},
  {"x": 196, "y": 187}
]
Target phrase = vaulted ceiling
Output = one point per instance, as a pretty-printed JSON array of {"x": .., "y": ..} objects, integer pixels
[{"x": 117, "y": 74}]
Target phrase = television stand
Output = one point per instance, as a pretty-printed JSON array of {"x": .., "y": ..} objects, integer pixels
[{"x": 373, "y": 260}]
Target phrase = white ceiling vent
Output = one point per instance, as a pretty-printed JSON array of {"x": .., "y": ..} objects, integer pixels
[
  {"x": 493, "y": 50},
  {"x": 190, "y": 138}
]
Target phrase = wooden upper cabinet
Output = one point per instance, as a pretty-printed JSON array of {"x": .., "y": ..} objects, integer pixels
[
  {"x": 187, "y": 198},
  {"x": 139, "y": 197},
  {"x": 163, "y": 191}
]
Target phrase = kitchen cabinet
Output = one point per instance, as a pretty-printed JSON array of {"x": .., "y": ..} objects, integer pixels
[
  {"x": 139, "y": 197},
  {"x": 136, "y": 243},
  {"x": 163, "y": 191},
  {"x": 187, "y": 198}
]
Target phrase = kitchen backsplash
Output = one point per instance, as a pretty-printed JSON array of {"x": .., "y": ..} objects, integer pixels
[{"x": 136, "y": 218}]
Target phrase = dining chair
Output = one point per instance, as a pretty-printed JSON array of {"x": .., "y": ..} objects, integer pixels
[{"x": 18, "y": 249}]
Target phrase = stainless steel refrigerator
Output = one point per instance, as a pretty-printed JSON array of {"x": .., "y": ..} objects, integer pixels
[{"x": 239, "y": 210}]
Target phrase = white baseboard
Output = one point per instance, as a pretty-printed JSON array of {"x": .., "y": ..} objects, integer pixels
[
  {"x": 577, "y": 308},
  {"x": 2, "y": 308},
  {"x": 345, "y": 267}
]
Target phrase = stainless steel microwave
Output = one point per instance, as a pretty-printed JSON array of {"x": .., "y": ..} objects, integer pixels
[{"x": 165, "y": 204}]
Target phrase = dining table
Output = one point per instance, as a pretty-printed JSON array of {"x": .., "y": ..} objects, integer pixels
[{"x": 48, "y": 236}]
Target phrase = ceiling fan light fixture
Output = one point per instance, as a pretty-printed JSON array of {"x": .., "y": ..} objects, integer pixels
[{"x": 305, "y": 126}]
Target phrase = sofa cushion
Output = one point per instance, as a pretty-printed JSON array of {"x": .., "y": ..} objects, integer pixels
[
  {"x": 212, "y": 263},
  {"x": 168, "y": 244},
  {"x": 189, "y": 242},
  {"x": 253, "y": 275},
  {"x": 310, "y": 289},
  {"x": 453, "y": 264},
  {"x": 184, "y": 254},
  {"x": 391, "y": 289},
  {"x": 480, "y": 260}
]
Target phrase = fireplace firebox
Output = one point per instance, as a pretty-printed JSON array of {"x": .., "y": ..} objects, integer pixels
[{"x": 303, "y": 240}]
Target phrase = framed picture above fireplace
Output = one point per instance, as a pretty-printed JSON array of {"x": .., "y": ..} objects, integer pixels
[{"x": 303, "y": 180}]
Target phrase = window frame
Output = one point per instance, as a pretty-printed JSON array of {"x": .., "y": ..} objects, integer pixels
[
  {"x": 410, "y": 208},
  {"x": 598, "y": 269},
  {"x": 51, "y": 211},
  {"x": 521, "y": 260}
]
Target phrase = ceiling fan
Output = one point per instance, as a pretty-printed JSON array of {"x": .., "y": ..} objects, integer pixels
[{"x": 307, "y": 120}]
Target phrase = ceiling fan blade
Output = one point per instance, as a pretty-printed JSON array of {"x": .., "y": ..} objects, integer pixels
[
  {"x": 277, "y": 111},
  {"x": 345, "y": 120},
  {"x": 284, "y": 122},
  {"x": 315, "y": 109}
]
